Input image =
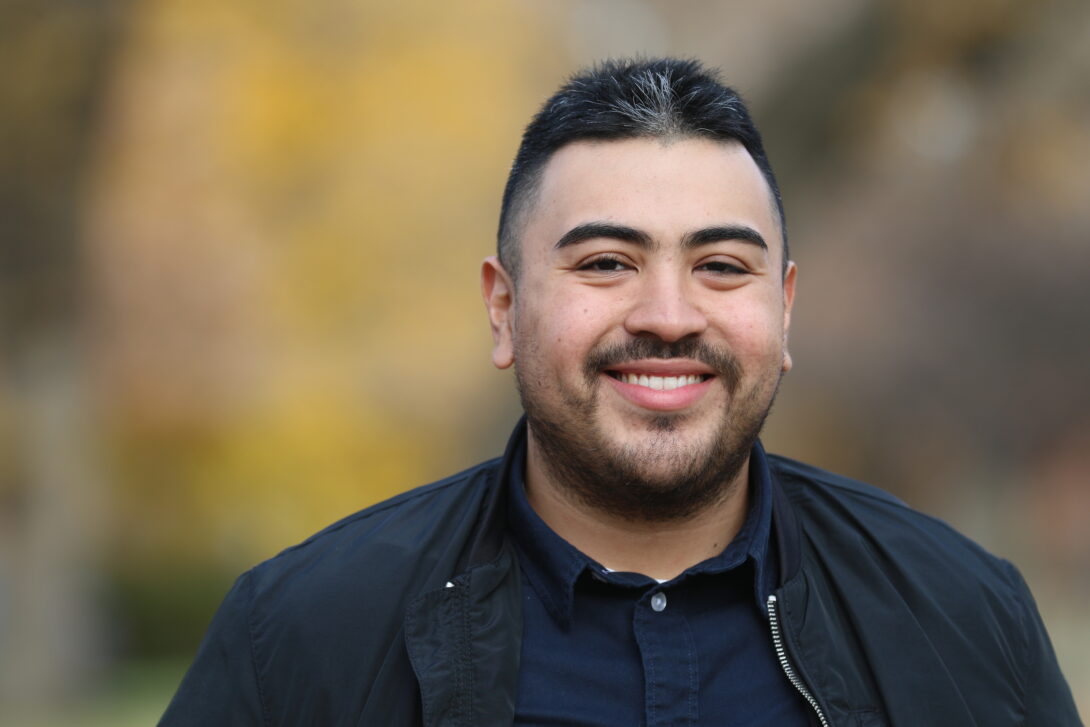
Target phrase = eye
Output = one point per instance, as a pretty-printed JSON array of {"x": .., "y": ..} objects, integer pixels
[
  {"x": 722, "y": 267},
  {"x": 604, "y": 264}
]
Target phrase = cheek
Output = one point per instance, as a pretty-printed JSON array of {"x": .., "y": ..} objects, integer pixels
[
  {"x": 541, "y": 334},
  {"x": 558, "y": 333},
  {"x": 754, "y": 334}
]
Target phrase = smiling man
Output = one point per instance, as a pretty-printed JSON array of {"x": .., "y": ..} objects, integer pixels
[{"x": 635, "y": 557}]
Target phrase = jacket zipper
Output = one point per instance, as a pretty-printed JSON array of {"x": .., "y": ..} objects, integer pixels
[{"x": 781, "y": 654}]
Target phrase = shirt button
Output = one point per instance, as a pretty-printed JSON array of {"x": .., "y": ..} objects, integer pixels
[{"x": 658, "y": 602}]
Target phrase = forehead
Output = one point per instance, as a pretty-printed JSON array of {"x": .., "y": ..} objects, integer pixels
[{"x": 663, "y": 187}]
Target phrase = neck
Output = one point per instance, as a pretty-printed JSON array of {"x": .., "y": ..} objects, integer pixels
[{"x": 660, "y": 550}]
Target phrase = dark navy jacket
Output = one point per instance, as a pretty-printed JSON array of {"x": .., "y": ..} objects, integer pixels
[{"x": 408, "y": 613}]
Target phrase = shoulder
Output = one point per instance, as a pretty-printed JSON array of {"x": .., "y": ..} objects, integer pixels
[
  {"x": 383, "y": 554},
  {"x": 839, "y": 515},
  {"x": 803, "y": 481},
  {"x": 325, "y": 616},
  {"x": 919, "y": 592}
]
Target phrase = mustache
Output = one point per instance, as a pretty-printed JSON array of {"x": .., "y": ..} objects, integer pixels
[{"x": 724, "y": 364}]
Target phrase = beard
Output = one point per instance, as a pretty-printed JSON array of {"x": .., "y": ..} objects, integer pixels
[{"x": 664, "y": 477}]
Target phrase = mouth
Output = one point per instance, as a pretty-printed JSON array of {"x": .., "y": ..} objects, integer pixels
[
  {"x": 661, "y": 385},
  {"x": 658, "y": 382}
]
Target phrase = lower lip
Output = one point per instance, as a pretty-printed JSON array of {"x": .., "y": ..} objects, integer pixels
[{"x": 672, "y": 400}]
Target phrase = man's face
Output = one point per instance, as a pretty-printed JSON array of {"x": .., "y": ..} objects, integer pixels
[{"x": 648, "y": 327}]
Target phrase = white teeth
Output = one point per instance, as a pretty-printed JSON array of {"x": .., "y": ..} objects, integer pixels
[{"x": 660, "y": 383}]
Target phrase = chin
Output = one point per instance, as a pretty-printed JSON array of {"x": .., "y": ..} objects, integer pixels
[{"x": 659, "y": 429}]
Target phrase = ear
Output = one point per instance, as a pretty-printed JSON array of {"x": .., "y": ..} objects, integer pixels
[
  {"x": 789, "y": 276},
  {"x": 499, "y": 298}
]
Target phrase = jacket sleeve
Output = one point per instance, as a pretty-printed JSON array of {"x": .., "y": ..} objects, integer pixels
[
  {"x": 221, "y": 686},
  {"x": 1047, "y": 697}
]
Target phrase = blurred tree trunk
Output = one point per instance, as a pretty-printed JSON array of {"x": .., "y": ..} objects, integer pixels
[
  {"x": 53, "y": 55},
  {"x": 52, "y": 527}
]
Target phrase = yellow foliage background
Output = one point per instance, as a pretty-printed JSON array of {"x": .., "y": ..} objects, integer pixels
[{"x": 239, "y": 296}]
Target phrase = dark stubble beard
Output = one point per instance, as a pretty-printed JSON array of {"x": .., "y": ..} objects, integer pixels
[{"x": 626, "y": 482}]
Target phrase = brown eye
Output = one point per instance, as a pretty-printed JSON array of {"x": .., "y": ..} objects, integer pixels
[
  {"x": 722, "y": 268},
  {"x": 604, "y": 265}
]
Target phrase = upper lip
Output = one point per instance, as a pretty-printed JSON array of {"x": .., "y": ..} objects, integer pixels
[{"x": 663, "y": 367}]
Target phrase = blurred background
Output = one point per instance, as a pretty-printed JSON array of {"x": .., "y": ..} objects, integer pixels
[{"x": 239, "y": 247}]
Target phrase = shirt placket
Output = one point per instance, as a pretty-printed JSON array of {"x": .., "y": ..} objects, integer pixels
[{"x": 670, "y": 668}]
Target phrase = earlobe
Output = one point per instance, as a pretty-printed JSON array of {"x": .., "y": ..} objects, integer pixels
[{"x": 499, "y": 298}]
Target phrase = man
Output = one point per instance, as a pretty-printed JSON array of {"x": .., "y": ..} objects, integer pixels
[{"x": 634, "y": 557}]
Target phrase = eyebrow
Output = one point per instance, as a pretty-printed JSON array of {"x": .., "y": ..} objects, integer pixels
[
  {"x": 708, "y": 235},
  {"x": 704, "y": 236},
  {"x": 591, "y": 230}
]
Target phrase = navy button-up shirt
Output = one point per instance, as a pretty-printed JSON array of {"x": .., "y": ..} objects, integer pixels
[{"x": 608, "y": 648}]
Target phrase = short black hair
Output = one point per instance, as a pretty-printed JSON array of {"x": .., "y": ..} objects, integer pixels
[{"x": 628, "y": 99}]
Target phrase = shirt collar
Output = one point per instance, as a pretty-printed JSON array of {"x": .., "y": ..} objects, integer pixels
[{"x": 554, "y": 566}]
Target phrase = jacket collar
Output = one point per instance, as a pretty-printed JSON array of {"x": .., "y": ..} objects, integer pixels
[
  {"x": 491, "y": 529},
  {"x": 785, "y": 530}
]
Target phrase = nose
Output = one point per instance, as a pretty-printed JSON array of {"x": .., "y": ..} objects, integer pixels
[{"x": 664, "y": 307}]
